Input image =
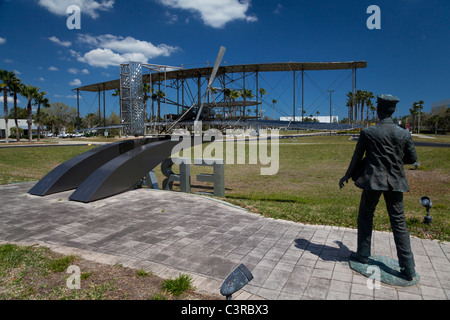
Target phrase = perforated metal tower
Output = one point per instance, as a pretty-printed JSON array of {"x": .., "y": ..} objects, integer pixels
[{"x": 131, "y": 99}]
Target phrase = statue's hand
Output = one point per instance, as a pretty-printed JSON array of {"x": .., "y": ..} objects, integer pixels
[{"x": 341, "y": 182}]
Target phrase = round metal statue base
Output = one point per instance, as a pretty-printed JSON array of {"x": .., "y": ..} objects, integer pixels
[{"x": 389, "y": 271}]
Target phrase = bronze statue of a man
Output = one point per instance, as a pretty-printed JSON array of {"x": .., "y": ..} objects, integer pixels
[{"x": 387, "y": 147}]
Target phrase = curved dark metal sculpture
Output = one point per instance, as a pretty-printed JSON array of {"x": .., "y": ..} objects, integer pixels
[
  {"x": 109, "y": 169},
  {"x": 123, "y": 172},
  {"x": 70, "y": 174}
]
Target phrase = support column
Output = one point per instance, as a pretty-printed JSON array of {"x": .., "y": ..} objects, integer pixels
[
  {"x": 303, "y": 71},
  {"x": 78, "y": 109},
  {"x": 104, "y": 109},
  {"x": 199, "y": 92},
  {"x": 353, "y": 93},
  {"x": 178, "y": 98},
  {"x": 293, "y": 103},
  {"x": 245, "y": 97},
  {"x": 99, "y": 114},
  {"x": 257, "y": 97}
]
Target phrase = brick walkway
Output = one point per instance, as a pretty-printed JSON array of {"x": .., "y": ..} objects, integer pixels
[{"x": 171, "y": 232}]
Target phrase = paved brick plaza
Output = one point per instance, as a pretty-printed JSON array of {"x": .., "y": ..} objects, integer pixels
[{"x": 172, "y": 232}]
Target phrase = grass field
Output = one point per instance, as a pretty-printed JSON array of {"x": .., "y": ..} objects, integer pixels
[
  {"x": 37, "y": 273},
  {"x": 305, "y": 189}
]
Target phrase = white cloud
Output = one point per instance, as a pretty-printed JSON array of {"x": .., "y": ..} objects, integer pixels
[
  {"x": 170, "y": 18},
  {"x": 278, "y": 9},
  {"x": 75, "y": 82},
  {"x": 113, "y": 50},
  {"x": 251, "y": 18},
  {"x": 8, "y": 61},
  {"x": 215, "y": 13},
  {"x": 72, "y": 96},
  {"x": 17, "y": 72},
  {"x": 102, "y": 58},
  {"x": 59, "y": 42},
  {"x": 41, "y": 79},
  {"x": 52, "y": 68},
  {"x": 76, "y": 71},
  {"x": 9, "y": 99},
  {"x": 2, "y": 40},
  {"x": 74, "y": 54},
  {"x": 89, "y": 7}
]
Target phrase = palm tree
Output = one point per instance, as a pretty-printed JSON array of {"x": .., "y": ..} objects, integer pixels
[
  {"x": 233, "y": 95},
  {"x": 360, "y": 101},
  {"x": 273, "y": 108},
  {"x": 371, "y": 107},
  {"x": 158, "y": 95},
  {"x": 40, "y": 99},
  {"x": 15, "y": 88},
  {"x": 246, "y": 93},
  {"x": 29, "y": 92},
  {"x": 146, "y": 89},
  {"x": 46, "y": 105},
  {"x": 417, "y": 107},
  {"x": 7, "y": 78},
  {"x": 350, "y": 106},
  {"x": 367, "y": 96},
  {"x": 262, "y": 92},
  {"x": 361, "y": 98},
  {"x": 361, "y": 95}
]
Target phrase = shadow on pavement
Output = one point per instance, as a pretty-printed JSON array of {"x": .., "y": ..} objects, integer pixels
[{"x": 340, "y": 253}]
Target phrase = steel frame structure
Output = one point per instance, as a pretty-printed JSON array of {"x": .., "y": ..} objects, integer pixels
[{"x": 190, "y": 84}]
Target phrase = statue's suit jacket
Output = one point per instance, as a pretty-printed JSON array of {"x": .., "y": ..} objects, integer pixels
[{"x": 387, "y": 148}]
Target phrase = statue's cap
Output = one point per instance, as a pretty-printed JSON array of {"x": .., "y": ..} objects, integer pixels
[{"x": 387, "y": 103}]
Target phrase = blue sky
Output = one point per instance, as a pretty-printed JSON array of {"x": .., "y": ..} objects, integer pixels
[{"x": 407, "y": 57}]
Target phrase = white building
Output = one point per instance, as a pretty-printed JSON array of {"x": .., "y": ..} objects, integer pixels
[
  {"x": 322, "y": 119},
  {"x": 22, "y": 124}
]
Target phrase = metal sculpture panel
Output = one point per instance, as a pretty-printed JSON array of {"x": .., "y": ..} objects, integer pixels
[
  {"x": 70, "y": 174},
  {"x": 123, "y": 172},
  {"x": 131, "y": 99}
]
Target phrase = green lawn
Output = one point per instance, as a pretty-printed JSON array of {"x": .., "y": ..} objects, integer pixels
[
  {"x": 305, "y": 189},
  {"x": 432, "y": 138},
  {"x": 32, "y": 163}
]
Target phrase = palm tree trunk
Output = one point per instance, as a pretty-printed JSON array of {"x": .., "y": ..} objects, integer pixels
[
  {"x": 158, "y": 109},
  {"x": 362, "y": 111},
  {"x": 29, "y": 121},
  {"x": 38, "y": 115},
  {"x": 16, "y": 120},
  {"x": 5, "y": 103}
]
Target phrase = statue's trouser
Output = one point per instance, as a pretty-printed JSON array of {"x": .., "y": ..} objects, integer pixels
[{"x": 394, "y": 204}]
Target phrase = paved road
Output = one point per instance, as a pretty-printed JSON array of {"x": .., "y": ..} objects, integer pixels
[{"x": 171, "y": 232}]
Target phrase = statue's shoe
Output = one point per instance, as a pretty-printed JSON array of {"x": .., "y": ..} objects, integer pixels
[{"x": 408, "y": 273}]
